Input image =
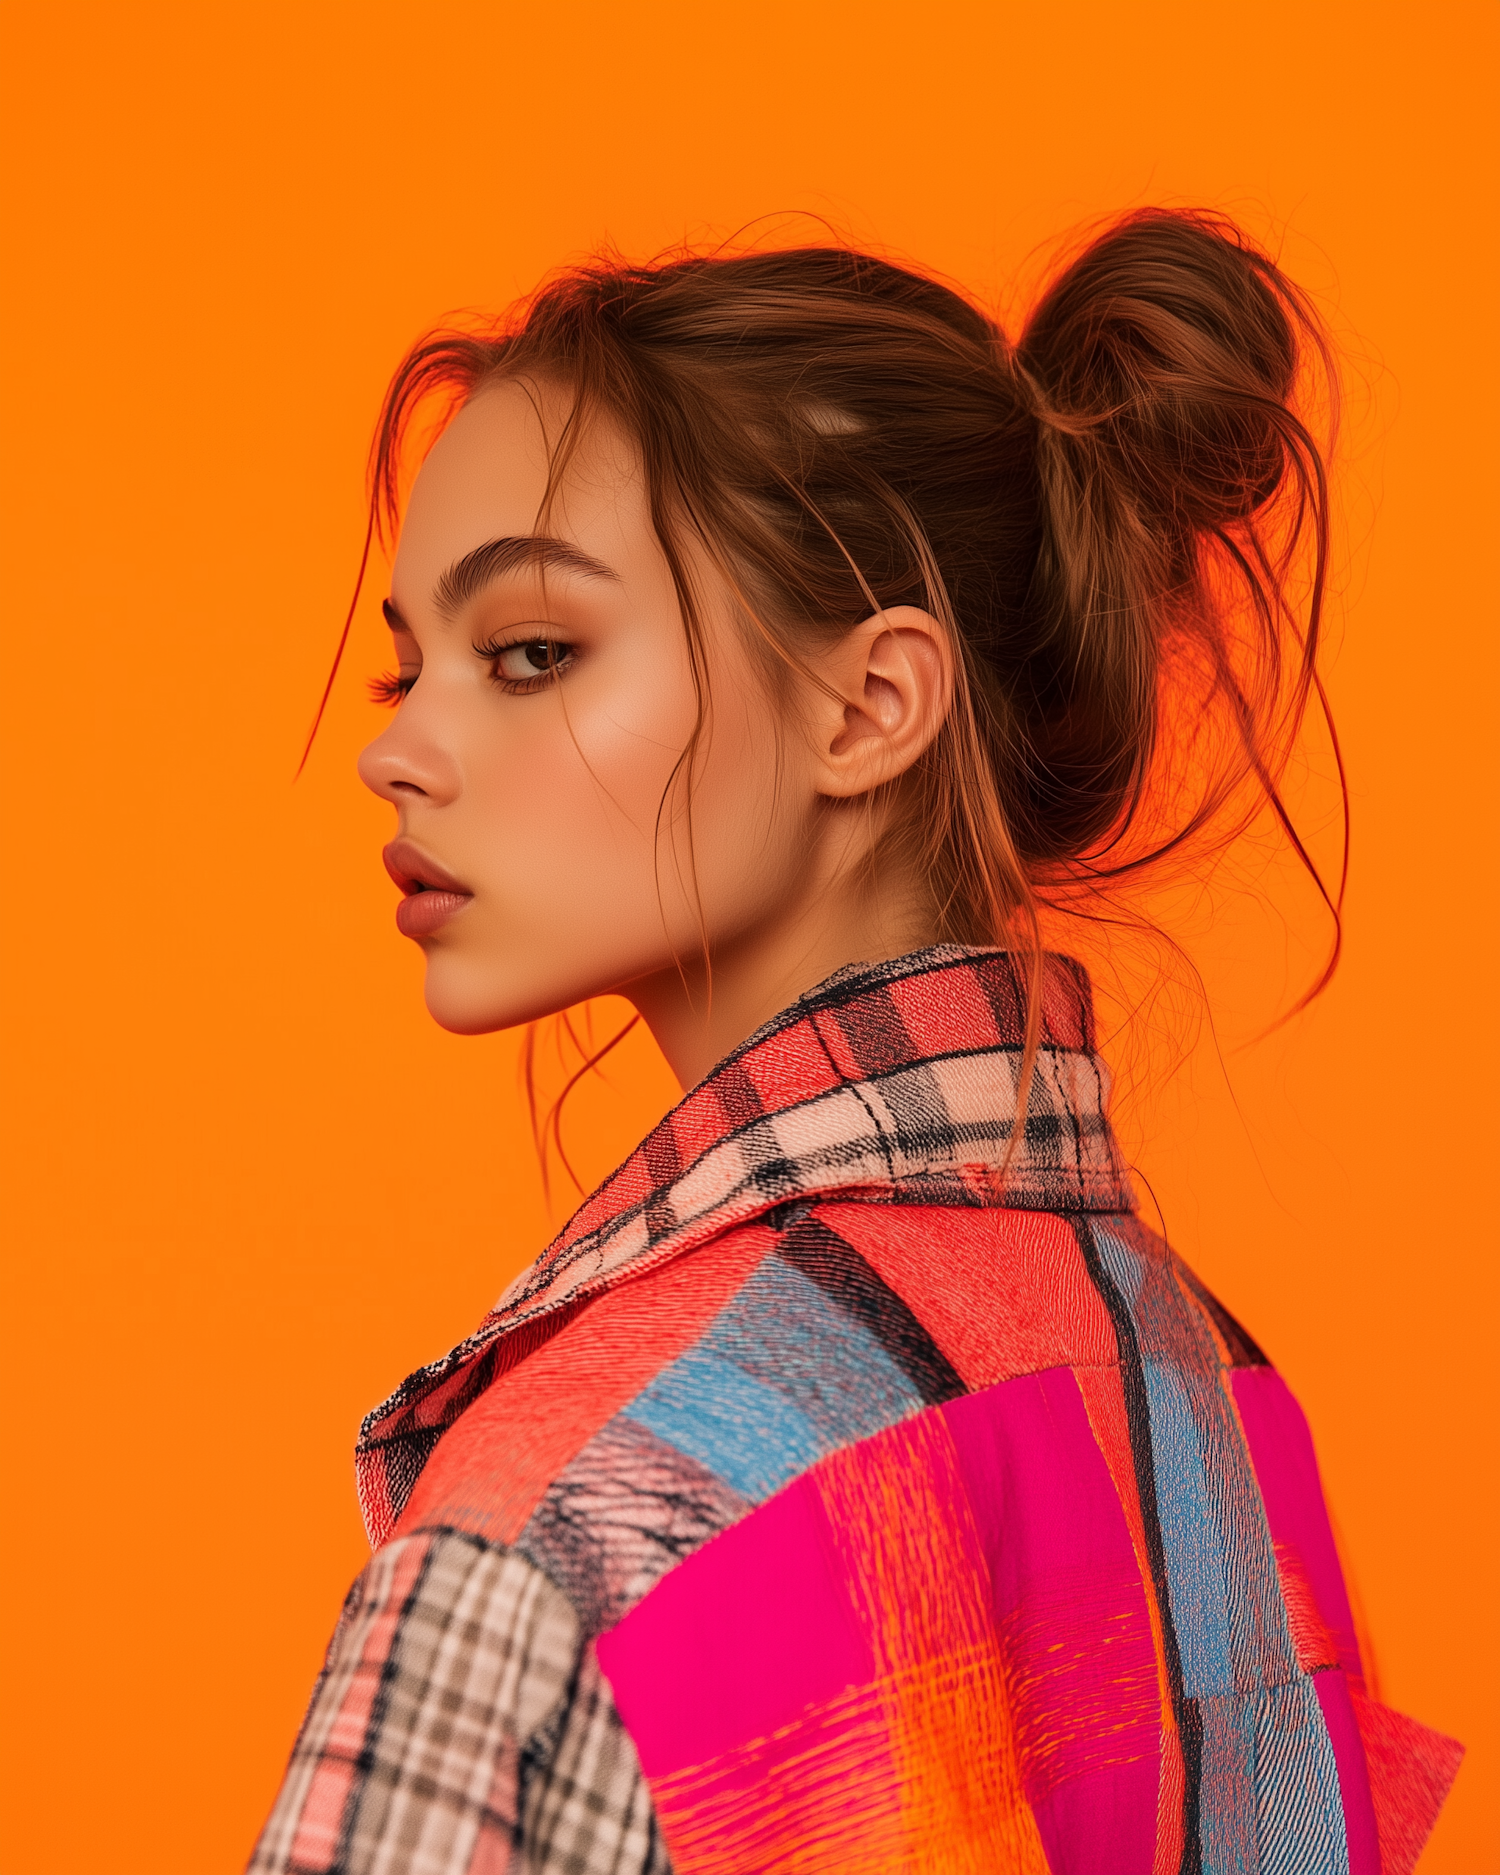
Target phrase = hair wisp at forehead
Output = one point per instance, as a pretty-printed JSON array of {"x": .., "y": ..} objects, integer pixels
[{"x": 1121, "y": 518}]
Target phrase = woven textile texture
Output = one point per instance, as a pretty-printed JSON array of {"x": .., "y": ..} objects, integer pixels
[{"x": 854, "y": 1488}]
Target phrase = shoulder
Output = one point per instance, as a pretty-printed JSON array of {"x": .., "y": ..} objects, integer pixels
[{"x": 680, "y": 1400}]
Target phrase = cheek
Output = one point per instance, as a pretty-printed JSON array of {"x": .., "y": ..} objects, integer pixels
[
  {"x": 571, "y": 807},
  {"x": 566, "y": 791},
  {"x": 750, "y": 833}
]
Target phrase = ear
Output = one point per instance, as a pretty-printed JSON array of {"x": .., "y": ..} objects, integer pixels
[{"x": 889, "y": 685}]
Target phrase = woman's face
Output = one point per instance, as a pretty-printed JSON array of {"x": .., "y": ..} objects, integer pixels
[{"x": 548, "y": 701}]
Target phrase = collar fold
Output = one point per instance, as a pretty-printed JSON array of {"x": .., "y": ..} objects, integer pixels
[{"x": 893, "y": 1082}]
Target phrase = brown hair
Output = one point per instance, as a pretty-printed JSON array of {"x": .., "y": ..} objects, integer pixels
[{"x": 1120, "y": 511}]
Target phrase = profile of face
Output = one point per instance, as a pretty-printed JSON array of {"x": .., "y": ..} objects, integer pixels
[{"x": 551, "y": 845}]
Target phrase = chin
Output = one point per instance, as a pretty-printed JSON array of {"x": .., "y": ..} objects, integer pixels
[
  {"x": 468, "y": 1001},
  {"x": 470, "y": 1014},
  {"x": 470, "y": 1022}
]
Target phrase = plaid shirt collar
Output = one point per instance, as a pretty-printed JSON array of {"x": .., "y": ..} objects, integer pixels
[{"x": 893, "y": 1083}]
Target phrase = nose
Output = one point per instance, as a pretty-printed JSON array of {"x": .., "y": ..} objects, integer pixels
[{"x": 404, "y": 765}]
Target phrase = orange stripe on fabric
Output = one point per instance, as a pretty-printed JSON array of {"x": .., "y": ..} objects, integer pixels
[
  {"x": 819, "y": 1796},
  {"x": 1171, "y": 1796},
  {"x": 494, "y": 1464},
  {"x": 1314, "y": 1644},
  {"x": 918, "y": 1769},
  {"x": 1041, "y": 1310},
  {"x": 900, "y": 1514},
  {"x": 825, "y": 1795},
  {"x": 1104, "y": 1401}
]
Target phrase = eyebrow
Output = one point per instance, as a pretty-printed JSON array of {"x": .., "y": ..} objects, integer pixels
[{"x": 470, "y": 575}]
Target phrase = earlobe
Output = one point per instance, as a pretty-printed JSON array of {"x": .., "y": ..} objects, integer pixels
[{"x": 890, "y": 685}]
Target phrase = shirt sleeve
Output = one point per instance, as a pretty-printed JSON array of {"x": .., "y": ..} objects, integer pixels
[{"x": 448, "y": 1696}]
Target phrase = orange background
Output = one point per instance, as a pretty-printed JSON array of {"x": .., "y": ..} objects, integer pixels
[{"x": 251, "y": 1184}]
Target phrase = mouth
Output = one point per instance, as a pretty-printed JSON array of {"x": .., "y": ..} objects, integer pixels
[{"x": 431, "y": 895}]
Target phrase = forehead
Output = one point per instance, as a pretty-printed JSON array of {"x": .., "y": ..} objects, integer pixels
[{"x": 486, "y": 478}]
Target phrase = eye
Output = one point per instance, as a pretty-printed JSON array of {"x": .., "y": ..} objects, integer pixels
[
  {"x": 527, "y": 663},
  {"x": 539, "y": 654}
]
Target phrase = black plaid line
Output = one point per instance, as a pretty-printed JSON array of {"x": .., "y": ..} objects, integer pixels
[
  {"x": 843, "y": 1275},
  {"x": 484, "y": 1651}
]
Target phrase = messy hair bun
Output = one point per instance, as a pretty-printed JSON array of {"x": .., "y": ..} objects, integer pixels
[
  {"x": 1127, "y": 492},
  {"x": 1161, "y": 366},
  {"x": 1168, "y": 352}
]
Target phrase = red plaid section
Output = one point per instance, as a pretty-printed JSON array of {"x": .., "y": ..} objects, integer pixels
[{"x": 897, "y": 1081}]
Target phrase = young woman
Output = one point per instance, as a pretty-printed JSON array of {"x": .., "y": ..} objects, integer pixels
[{"x": 855, "y": 1484}]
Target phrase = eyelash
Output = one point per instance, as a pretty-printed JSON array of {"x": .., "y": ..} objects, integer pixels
[
  {"x": 562, "y": 655},
  {"x": 390, "y": 689}
]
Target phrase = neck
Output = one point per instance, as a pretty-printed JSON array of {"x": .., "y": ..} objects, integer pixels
[{"x": 704, "y": 1010}]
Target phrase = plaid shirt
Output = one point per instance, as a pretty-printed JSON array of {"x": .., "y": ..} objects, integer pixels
[{"x": 849, "y": 1487}]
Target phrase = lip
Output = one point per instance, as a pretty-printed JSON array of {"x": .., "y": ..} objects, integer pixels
[{"x": 431, "y": 894}]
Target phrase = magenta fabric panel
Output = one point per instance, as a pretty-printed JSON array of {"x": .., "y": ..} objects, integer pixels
[
  {"x": 763, "y": 1624},
  {"x": 1286, "y": 1469},
  {"x": 749, "y": 1631},
  {"x": 1071, "y": 1610},
  {"x": 1354, "y": 1775}
]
